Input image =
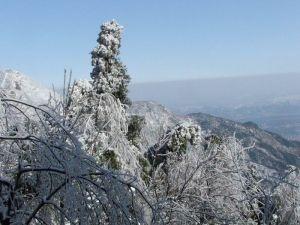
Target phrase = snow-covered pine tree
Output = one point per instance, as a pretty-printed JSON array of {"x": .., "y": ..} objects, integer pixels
[
  {"x": 109, "y": 74},
  {"x": 97, "y": 108}
]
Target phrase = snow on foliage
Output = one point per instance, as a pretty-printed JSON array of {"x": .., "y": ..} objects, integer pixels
[
  {"x": 105, "y": 125},
  {"x": 99, "y": 106},
  {"x": 14, "y": 84},
  {"x": 83, "y": 160},
  {"x": 176, "y": 140},
  {"x": 109, "y": 74},
  {"x": 47, "y": 177},
  {"x": 214, "y": 183},
  {"x": 183, "y": 134}
]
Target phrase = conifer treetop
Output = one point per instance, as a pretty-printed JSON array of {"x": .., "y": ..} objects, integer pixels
[
  {"x": 109, "y": 74},
  {"x": 109, "y": 41}
]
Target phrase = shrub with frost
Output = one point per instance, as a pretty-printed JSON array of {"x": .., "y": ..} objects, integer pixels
[
  {"x": 47, "y": 177},
  {"x": 182, "y": 135},
  {"x": 203, "y": 186},
  {"x": 135, "y": 125},
  {"x": 176, "y": 140},
  {"x": 213, "y": 182}
]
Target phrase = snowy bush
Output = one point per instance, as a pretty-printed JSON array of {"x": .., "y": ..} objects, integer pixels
[
  {"x": 211, "y": 181},
  {"x": 135, "y": 126},
  {"x": 48, "y": 178},
  {"x": 176, "y": 140}
]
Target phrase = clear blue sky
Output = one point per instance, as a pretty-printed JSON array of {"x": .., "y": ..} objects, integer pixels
[{"x": 163, "y": 39}]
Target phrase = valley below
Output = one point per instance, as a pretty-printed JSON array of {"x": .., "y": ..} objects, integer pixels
[{"x": 271, "y": 101}]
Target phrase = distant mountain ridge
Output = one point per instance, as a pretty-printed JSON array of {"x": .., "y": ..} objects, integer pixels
[
  {"x": 269, "y": 149},
  {"x": 271, "y": 101}
]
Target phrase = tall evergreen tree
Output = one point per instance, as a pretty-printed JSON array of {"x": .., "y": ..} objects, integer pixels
[{"x": 109, "y": 74}]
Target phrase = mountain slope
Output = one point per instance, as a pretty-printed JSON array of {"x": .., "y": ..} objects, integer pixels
[
  {"x": 158, "y": 119},
  {"x": 19, "y": 86},
  {"x": 269, "y": 149}
]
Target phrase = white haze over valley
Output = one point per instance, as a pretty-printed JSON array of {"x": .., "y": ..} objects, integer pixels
[{"x": 272, "y": 101}]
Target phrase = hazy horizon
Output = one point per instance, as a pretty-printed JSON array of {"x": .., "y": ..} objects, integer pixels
[{"x": 271, "y": 101}]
